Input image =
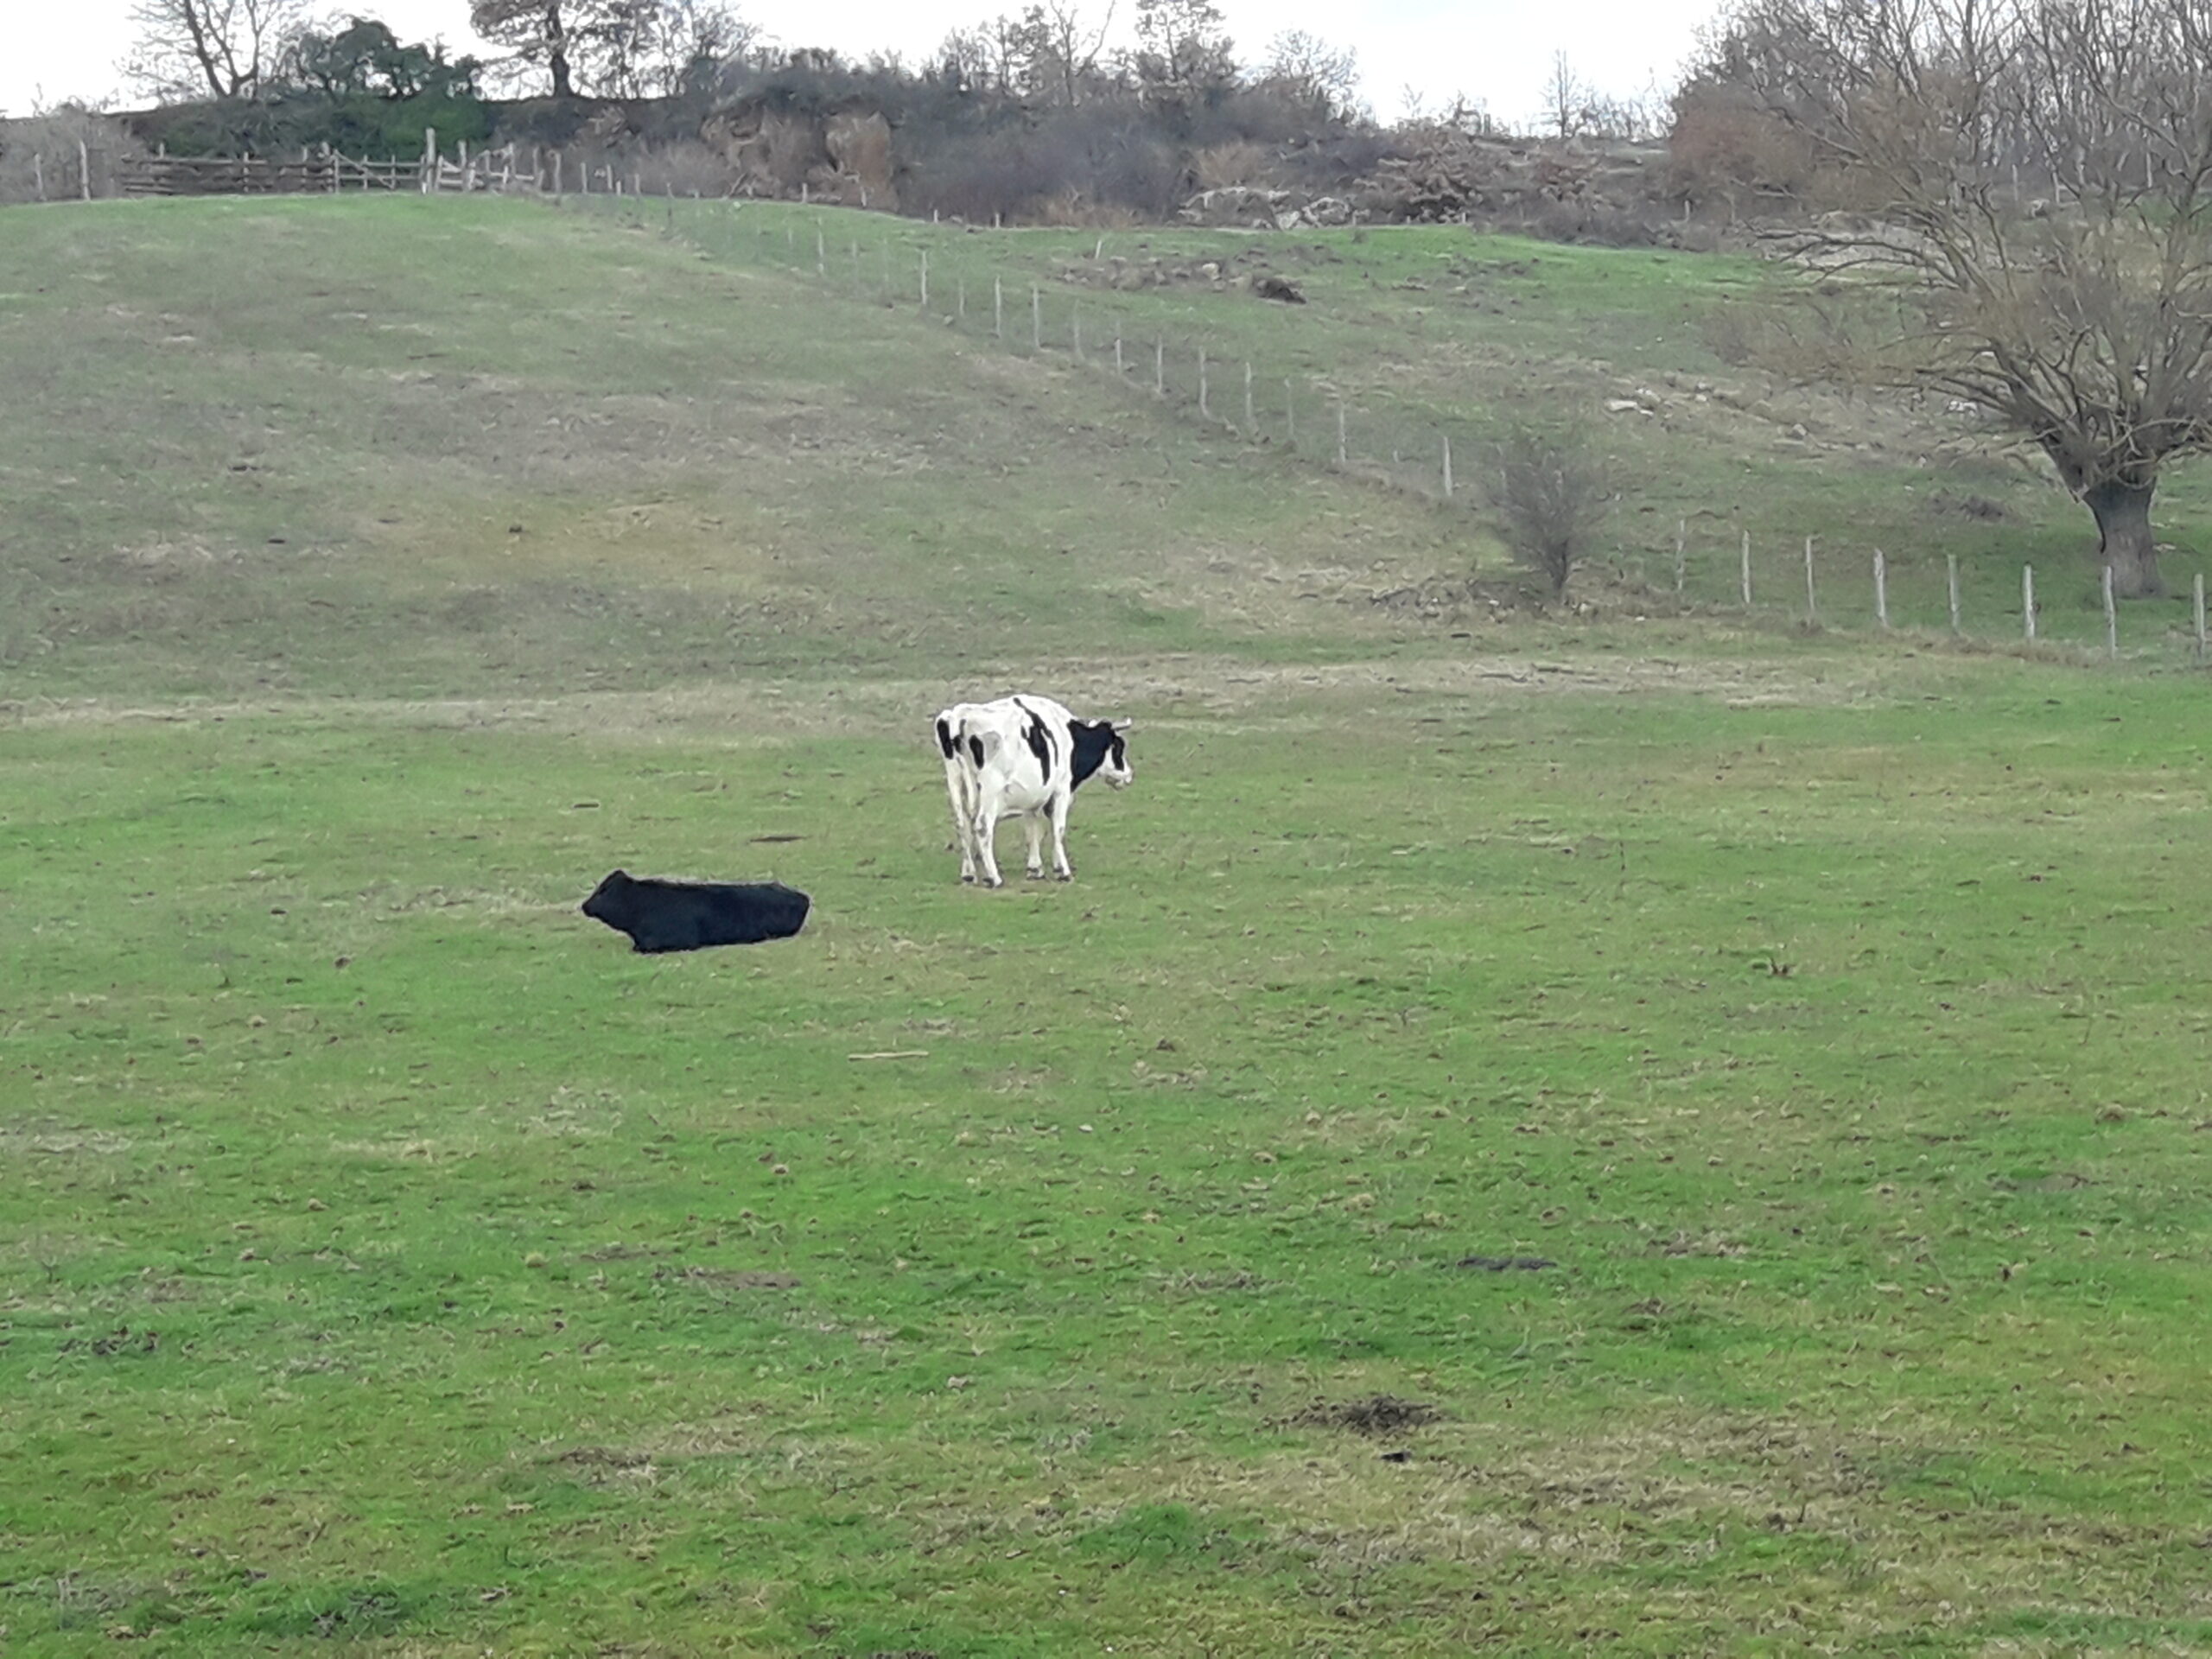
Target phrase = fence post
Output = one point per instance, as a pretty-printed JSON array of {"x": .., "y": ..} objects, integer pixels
[
  {"x": 1747, "y": 570},
  {"x": 1681, "y": 543},
  {"x": 1447, "y": 466},
  {"x": 998, "y": 309},
  {"x": 1036, "y": 319},
  {"x": 1247, "y": 398},
  {"x": 2028, "y": 600},
  {"x": 38, "y": 174},
  {"x": 960, "y": 297},
  {"x": 429, "y": 160},
  {"x": 1159, "y": 368},
  {"x": 1203, "y": 412},
  {"x": 1881, "y": 591},
  {"x": 556, "y": 172},
  {"x": 1811, "y": 605},
  {"x": 821, "y": 254},
  {"x": 1342, "y": 449},
  {"x": 2199, "y": 587},
  {"x": 926, "y": 279},
  {"x": 84, "y": 172},
  {"x": 1117, "y": 351},
  {"x": 1951, "y": 571},
  {"x": 2111, "y": 618},
  {"x": 1290, "y": 412}
]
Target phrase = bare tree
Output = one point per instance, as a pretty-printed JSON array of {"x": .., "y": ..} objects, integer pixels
[
  {"x": 535, "y": 31},
  {"x": 709, "y": 47},
  {"x": 1051, "y": 54},
  {"x": 1552, "y": 495},
  {"x": 1312, "y": 71},
  {"x": 210, "y": 48},
  {"x": 621, "y": 48},
  {"x": 1565, "y": 99},
  {"x": 2031, "y": 187},
  {"x": 1183, "y": 55}
]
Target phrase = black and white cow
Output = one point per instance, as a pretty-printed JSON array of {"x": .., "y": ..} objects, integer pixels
[
  {"x": 1021, "y": 757},
  {"x": 690, "y": 915}
]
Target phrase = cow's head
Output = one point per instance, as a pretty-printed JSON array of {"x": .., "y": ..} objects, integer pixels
[
  {"x": 610, "y": 900},
  {"x": 1102, "y": 750}
]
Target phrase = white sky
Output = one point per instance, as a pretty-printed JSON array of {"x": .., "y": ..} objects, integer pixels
[{"x": 1498, "y": 52}]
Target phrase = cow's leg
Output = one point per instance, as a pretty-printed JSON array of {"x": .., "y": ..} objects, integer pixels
[
  {"x": 986, "y": 830},
  {"x": 1061, "y": 867},
  {"x": 1034, "y": 824},
  {"x": 964, "y": 816}
]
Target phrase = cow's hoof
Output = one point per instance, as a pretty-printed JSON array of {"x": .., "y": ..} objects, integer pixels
[
  {"x": 1034, "y": 875},
  {"x": 968, "y": 880},
  {"x": 994, "y": 884},
  {"x": 1065, "y": 876}
]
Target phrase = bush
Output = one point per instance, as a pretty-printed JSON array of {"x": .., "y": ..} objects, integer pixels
[
  {"x": 1552, "y": 492},
  {"x": 1095, "y": 163},
  {"x": 685, "y": 169}
]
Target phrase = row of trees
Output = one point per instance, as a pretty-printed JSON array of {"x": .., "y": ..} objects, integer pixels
[
  {"x": 1047, "y": 54},
  {"x": 187, "y": 50},
  {"x": 1051, "y": 55}
]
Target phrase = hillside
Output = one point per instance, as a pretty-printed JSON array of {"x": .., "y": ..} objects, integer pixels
[
  {"x": 432, "y": 449},
  {"x": 444, "y": 448}
]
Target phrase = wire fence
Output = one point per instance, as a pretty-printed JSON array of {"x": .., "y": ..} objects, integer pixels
[{"x": 1080, "y": 314}]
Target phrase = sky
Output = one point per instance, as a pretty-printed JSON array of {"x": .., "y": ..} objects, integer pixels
[{"x": 1498, "y": 53}]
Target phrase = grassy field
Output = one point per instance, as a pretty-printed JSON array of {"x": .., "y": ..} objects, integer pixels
[{"x": 389, "y": 1257}]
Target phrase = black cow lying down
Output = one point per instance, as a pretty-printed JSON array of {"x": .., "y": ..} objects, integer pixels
[{"x": 686, "y": 915}]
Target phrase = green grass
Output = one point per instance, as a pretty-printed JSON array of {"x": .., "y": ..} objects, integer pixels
[{"x": 389, "y": 1257}]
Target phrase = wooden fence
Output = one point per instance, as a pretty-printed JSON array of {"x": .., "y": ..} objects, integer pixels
[{"x": 326, "y": 172}]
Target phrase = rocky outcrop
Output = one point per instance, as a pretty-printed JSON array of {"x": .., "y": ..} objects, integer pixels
[{"x": 841, "y": 154}]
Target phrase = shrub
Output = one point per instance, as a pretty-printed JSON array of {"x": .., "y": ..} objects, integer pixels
[
  {"x": 685, "y": 169},
  {"x": 1552, "y": 492},
  {"x": 1241, "y": 162}
]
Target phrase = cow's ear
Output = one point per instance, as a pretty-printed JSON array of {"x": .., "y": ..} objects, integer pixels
[{"x": 1123, "y": 725}]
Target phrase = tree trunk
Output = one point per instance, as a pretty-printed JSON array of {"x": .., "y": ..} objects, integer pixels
[
  {"x": 2124, "y": 539},
  {"x": 557, "y": 51}
]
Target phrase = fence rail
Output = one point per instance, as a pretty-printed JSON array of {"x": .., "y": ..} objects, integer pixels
[
  {"x": 223, "y": 175},
  {"x": 507, "y": 168}
]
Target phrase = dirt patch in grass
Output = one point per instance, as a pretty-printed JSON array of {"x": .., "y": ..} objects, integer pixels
[
  {"x": 729, "y": 1278},
  {"x": 1505, "y": 1264},
  {"x": 1378, "y": 1414},
  {"x": 602, "y": 1457}
]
